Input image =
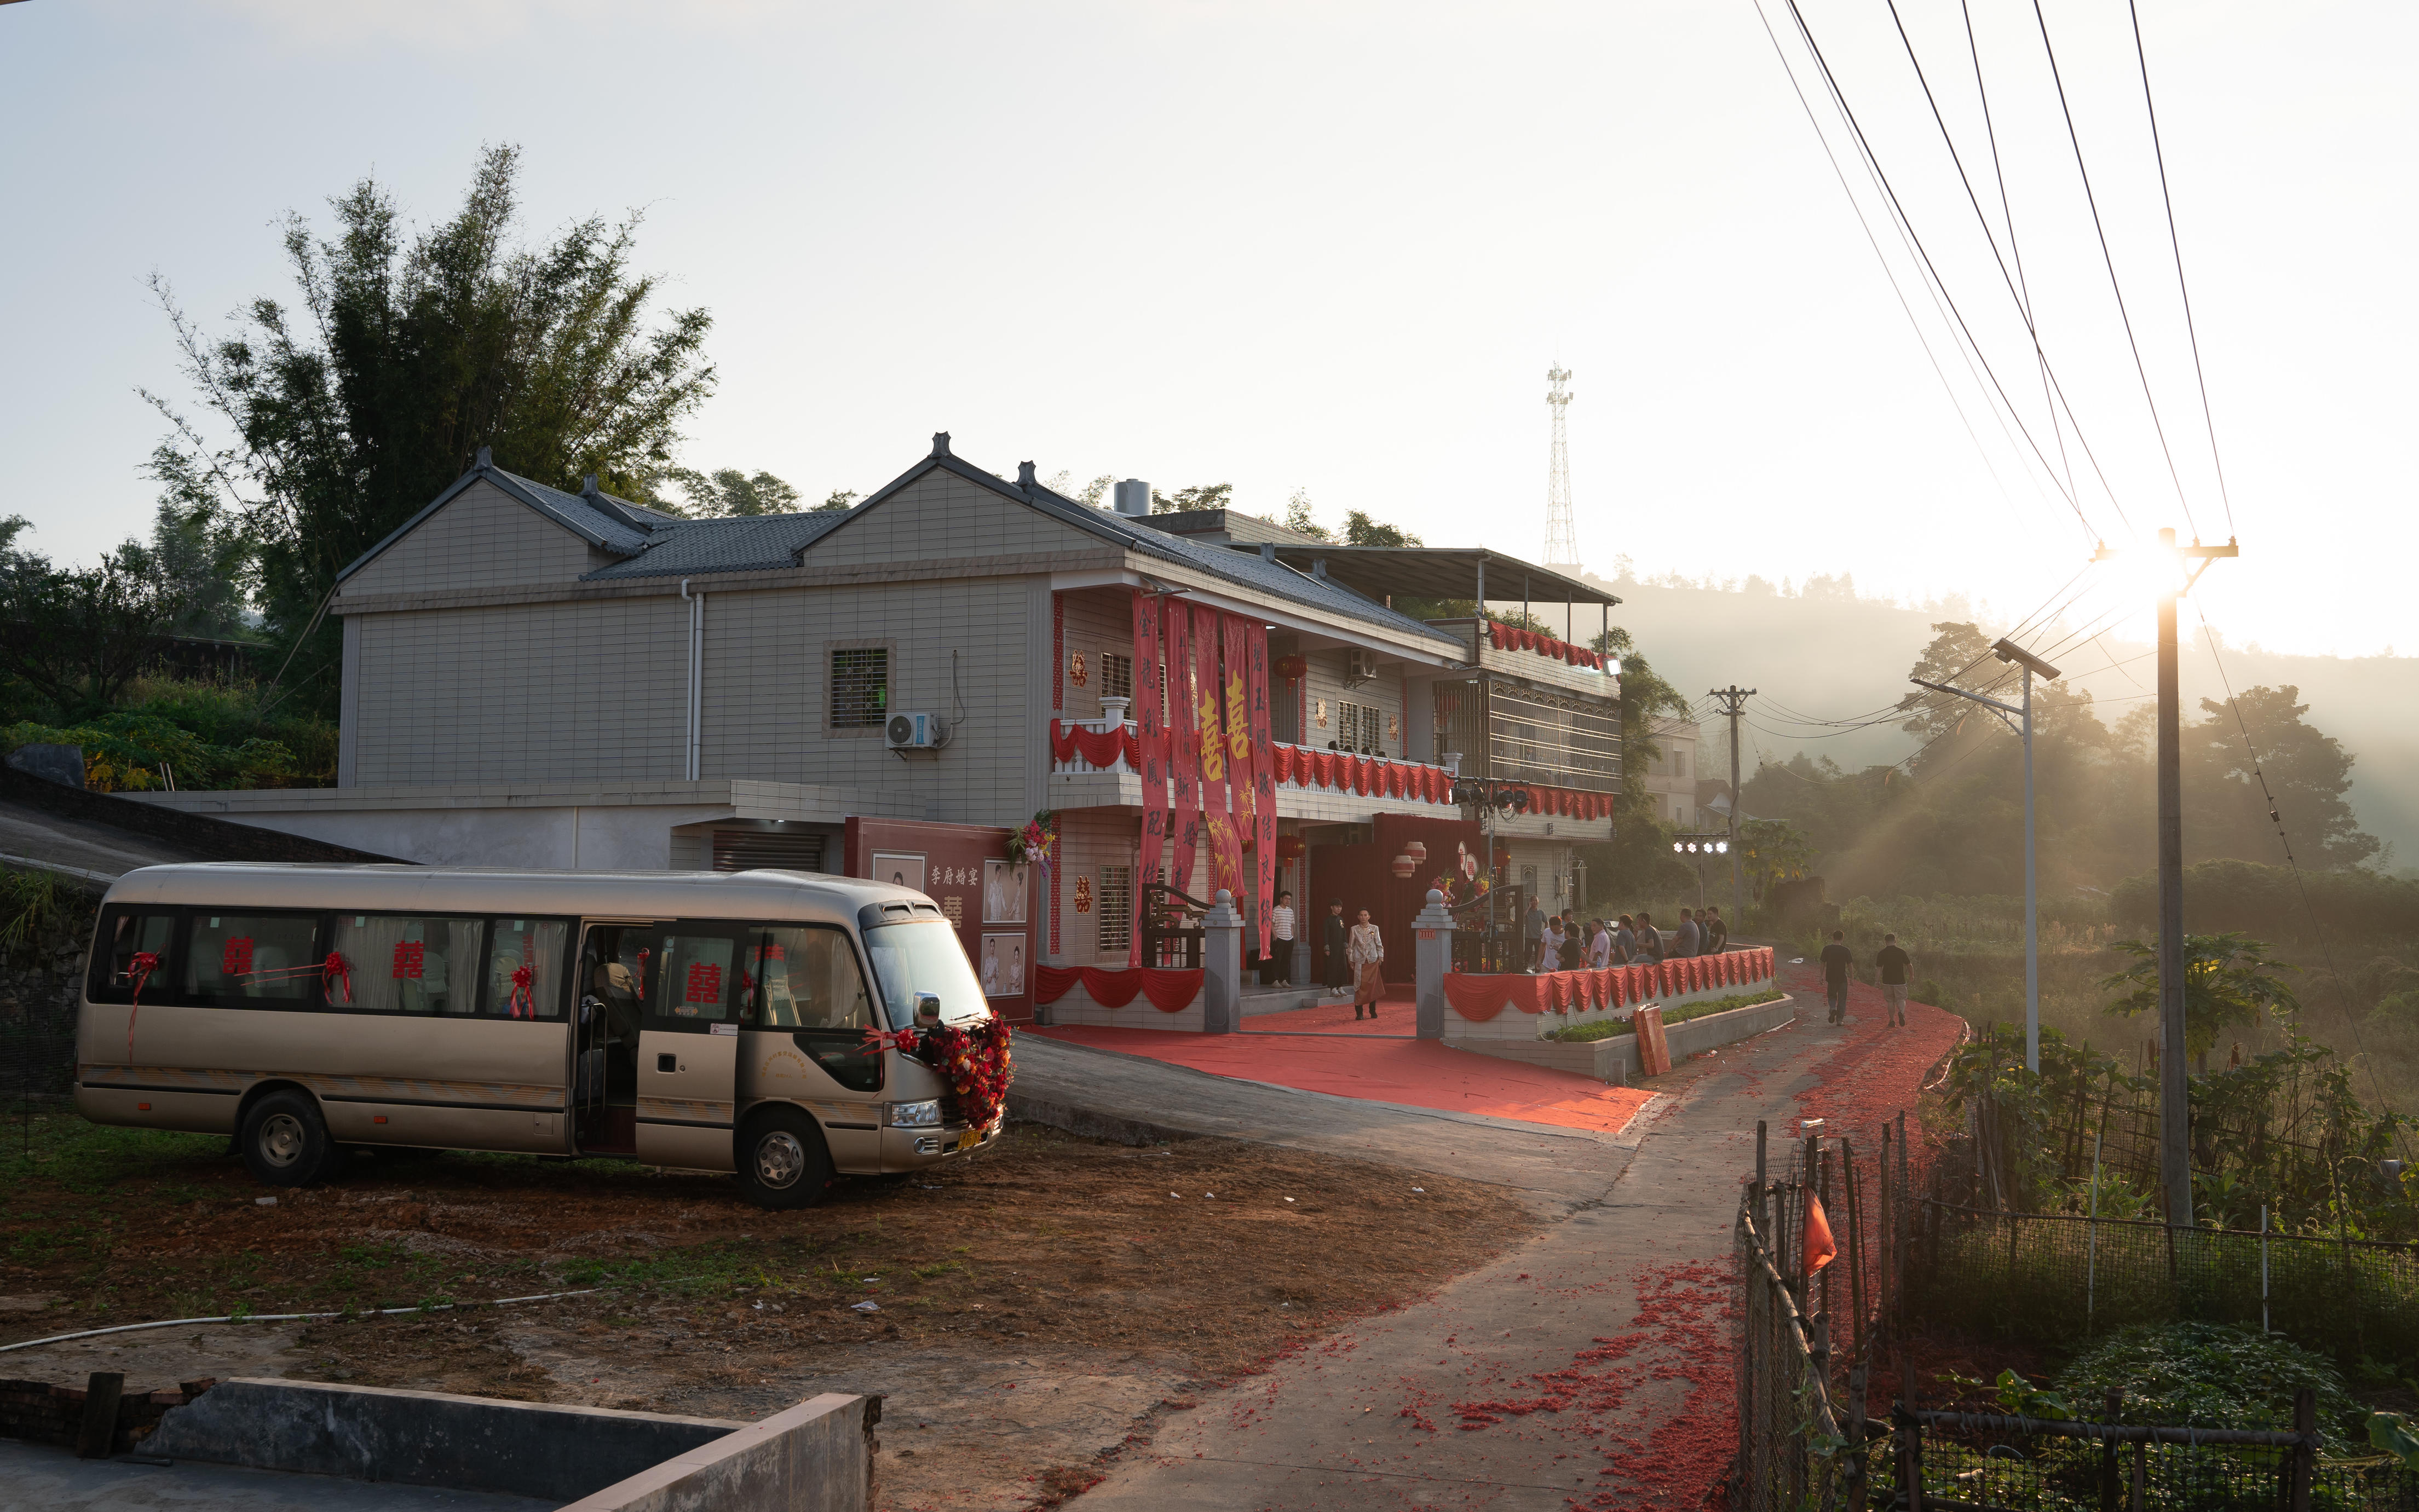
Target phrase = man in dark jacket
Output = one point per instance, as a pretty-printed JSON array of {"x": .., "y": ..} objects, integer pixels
[
  {"x": 1837, "y": 958},
  {"x": 1338, "y": 937},
  {"x": 1718, "y": 934}
]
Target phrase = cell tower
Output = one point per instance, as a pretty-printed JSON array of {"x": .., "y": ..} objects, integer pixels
[{"x": 1562, "y": 532}]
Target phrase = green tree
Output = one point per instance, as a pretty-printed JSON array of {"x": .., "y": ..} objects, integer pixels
[
  {"x": 728, "y": 491},
  {"x": 407, "y": 353},
  {"x": 74, "y": 636},
  {"x": 1360, "y": 529},
  {"x": 2229, "y": 982},
  {"x": 2225, "y": 814},
  {"x": 1299, "y": 518},
  {"x": 1770, "y": 852},
  {"x": 837, "y": 501},
  {"x": 1200, "y": 496},
  {"x": 1954, "y": 652}
]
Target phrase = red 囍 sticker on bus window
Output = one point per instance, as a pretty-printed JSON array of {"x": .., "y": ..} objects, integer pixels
[
  {"x": 235, "y": 957},
  {"x": 408, "y": 958},
  {"x": 705, "y": 983}
]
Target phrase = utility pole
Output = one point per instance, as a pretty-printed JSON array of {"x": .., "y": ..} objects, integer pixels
[
  {"x": 2006, "y": 650},
  {"x": 1733, "y": 700},
  {"x": 2175, "y": 1107}
]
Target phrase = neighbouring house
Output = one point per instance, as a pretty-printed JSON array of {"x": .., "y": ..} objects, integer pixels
[
  {"x": 534, "y": 677},
  {"x": 1672, "y": 775}
]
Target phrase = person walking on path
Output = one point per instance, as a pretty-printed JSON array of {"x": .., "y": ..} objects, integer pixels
[
  {"x": 1339, "y": 970},
  {"x": 1836, "y": 960},
  {"x": 1718, "y": 934},
  {"x": 1533, "y": 934},
  {"x": 1367, "y": 950},
  {"x": 1892, "y": 964},
  {"x": 1691, "y": 936},
  {"x": 1281, "y": 926}
]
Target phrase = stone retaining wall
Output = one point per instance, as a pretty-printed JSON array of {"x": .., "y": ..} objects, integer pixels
[{"x": 1614, "y": 1059}]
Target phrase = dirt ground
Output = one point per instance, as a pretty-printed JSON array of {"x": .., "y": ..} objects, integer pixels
[{"x": 1032, "y": 1311}]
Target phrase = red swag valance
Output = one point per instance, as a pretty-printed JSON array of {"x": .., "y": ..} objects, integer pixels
[{"x": 1170, "y": 991}]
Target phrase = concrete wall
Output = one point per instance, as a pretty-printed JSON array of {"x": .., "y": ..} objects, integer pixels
[
  {"x": 1514, "y": 1023},
  {"x": 1097, "y": 621},
  {"x": 942, "y": 515},
  {"x": 425, "y": 1437},
  {"x": 816, "y": 1456},
  {"x": 1324, "y": 680},
  {"x": 1615, "y": 1060}
]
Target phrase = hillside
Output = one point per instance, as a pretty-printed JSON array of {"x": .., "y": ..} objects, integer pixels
[{"x": 1836, "y": 657}]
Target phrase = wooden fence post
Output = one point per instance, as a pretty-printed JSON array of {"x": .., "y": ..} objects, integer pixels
[
  {"x": 2108, "y": 1480},
  {"x": 1910, "y": 1451},
  {"x": 97, "y": 1434}
]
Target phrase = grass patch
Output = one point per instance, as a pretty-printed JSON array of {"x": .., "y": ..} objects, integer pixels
[{"x": 1611, "y": 1028}]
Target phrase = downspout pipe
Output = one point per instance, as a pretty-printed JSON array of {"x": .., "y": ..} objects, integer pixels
[{"x": 695, "y": 677}]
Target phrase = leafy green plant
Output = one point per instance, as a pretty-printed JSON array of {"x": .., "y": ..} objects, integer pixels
[
  {"x": 2211, "y": 1375},
  {"x": 2230, "y": 982}
]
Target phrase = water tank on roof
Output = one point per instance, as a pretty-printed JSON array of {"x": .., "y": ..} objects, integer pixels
[{"x": 1134, "y": 497}]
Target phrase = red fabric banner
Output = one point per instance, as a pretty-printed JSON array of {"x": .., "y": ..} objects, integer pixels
[
  {"x": 1480, "y": 998},
  {"x": 1170, "y": 991},
  {"x": 1183, "y": 741},
  {"x": 1152, "y": 738},
  {"x": 1233, "y": 640},
  {"x": 1217, "y": 828},
  {"x": 1264, "y": 778}
]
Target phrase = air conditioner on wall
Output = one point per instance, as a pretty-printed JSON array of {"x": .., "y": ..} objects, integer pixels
[
  {"x": 905, "y": 732},
  {"x": 1360, "y": 667}
]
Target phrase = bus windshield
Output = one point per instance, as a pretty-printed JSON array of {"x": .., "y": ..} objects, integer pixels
[{"x": 924, "y": 956}]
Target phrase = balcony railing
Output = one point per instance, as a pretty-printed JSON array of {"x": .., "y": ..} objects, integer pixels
[{"x": 1083, "y": 746}]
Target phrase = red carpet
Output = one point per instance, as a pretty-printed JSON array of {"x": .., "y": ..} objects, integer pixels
[
  {"x": 1415, "y": 1072},
  {"x": 1394, "y": 1016}
]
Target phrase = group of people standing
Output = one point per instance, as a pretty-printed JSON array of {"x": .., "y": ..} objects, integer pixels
[{"x": 1561, "y": 942}]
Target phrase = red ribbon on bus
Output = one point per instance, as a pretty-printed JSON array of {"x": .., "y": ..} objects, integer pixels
[
  {"x": 141, "y": 968},
  {"x": 521, "y": 997},
  {"x": 877, "y": 1041},
  {"x": 334, "y": 971}
]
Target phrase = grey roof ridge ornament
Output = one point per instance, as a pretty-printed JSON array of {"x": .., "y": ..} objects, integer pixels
[{"x": 940, "y": 443}]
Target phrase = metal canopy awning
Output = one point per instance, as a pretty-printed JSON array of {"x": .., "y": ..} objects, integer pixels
[{"x": 1437, "y": 572}]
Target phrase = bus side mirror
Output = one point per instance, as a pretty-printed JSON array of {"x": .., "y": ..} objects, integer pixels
[{"x": 928, "y": 1011}]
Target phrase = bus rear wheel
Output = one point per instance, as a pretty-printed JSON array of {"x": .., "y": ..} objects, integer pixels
[
  {"x": 286, "y": 1142},
  {"x": 782, "y": 1161}
]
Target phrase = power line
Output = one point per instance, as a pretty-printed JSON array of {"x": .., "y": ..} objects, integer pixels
[
  {"x": 1906, "y": 228},
  {"x": 2177, "y": 246},
  {"x": 2110, "y": 261},
  {"x": 1900, "y": 294}
]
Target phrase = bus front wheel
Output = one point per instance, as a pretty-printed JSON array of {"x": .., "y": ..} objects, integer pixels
[
  {"x": 782, "y": 1161},
  {"x": 286, "y": 1142}
]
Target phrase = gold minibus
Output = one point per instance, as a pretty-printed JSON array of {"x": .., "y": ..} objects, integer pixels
[{"x": 707, "y": 1021}]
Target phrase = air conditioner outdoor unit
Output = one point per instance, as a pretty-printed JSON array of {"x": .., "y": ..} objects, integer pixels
[
  {"x": 1360, "y": 667},
  {"x": 905, "y": 732}
]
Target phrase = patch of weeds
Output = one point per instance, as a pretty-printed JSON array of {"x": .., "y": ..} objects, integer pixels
[{"x": 926, "y": 1273}]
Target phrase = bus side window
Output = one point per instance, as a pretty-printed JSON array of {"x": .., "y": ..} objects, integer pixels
[
  {"x": 399, "y": 964},
  {"x": 127, "y": 937},
  {"x": 808, "y": 980},
  {"x": 243, "y": 960},
  {"x": 525, "y": 969},
  {"x": 695, "y": 977}
]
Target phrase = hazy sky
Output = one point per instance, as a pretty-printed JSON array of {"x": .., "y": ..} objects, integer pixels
[{"x": 1335, "y": 247}]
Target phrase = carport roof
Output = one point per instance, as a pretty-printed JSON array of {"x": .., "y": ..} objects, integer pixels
[{"x": 1435, "y": 571}]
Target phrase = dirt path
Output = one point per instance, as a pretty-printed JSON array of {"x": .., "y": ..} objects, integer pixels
[{"x": 1588, "y": 1368}]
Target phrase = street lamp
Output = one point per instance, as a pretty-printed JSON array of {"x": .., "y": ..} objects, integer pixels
[
  {"x": 2006, "y": 650},
  {"x": 1699, "y": 847}
]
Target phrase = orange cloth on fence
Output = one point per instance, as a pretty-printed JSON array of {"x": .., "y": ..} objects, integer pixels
[{"x": 1820, "y": 1249}]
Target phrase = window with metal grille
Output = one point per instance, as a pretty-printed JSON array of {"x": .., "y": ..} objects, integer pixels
[
  {"x": 1116, "y": 675},
  {"x": 1116, "y": 904},
  {"x": 860, "y": 687},
  {"x": 781, "y": 850}
]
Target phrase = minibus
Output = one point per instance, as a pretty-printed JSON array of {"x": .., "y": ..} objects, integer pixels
[{"x": 705, "y": 1021}]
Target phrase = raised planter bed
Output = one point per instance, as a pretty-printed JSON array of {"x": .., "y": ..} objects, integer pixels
[{"x": 1614, "y": 1059}]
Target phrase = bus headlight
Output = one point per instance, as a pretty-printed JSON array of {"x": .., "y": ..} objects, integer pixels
[{"x": 926, "y": 1115}]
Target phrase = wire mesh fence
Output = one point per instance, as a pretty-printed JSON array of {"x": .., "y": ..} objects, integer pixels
[
  {"x": 2052, "y": 1278},
  {"x": 1787, "y": 1423}
]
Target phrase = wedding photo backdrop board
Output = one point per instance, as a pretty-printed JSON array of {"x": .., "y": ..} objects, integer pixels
[{"x": 963, "y": 866}]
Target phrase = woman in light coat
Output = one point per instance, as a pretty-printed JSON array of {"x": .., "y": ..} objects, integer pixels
[{"x": 1366, "y": 951}]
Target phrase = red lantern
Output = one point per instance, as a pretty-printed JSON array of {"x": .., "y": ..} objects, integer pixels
[
  {"x": 1405, "y": 866},
  {"x": 1292, "y": 668},
  {"x": 1417, "y": 851},
  {"x": 1290, "y": 847}
]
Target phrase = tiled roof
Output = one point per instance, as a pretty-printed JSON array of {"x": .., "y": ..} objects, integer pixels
[
  {"x": 744, "y": 543},
  {"x": 1243, "y": 568},
  {"x": 606, "y": 528}
]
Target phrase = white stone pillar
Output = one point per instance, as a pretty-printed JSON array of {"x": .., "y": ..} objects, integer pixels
[
  {"x": 1432, "y": 934},
  {"x": 1221, "y": 967}
]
